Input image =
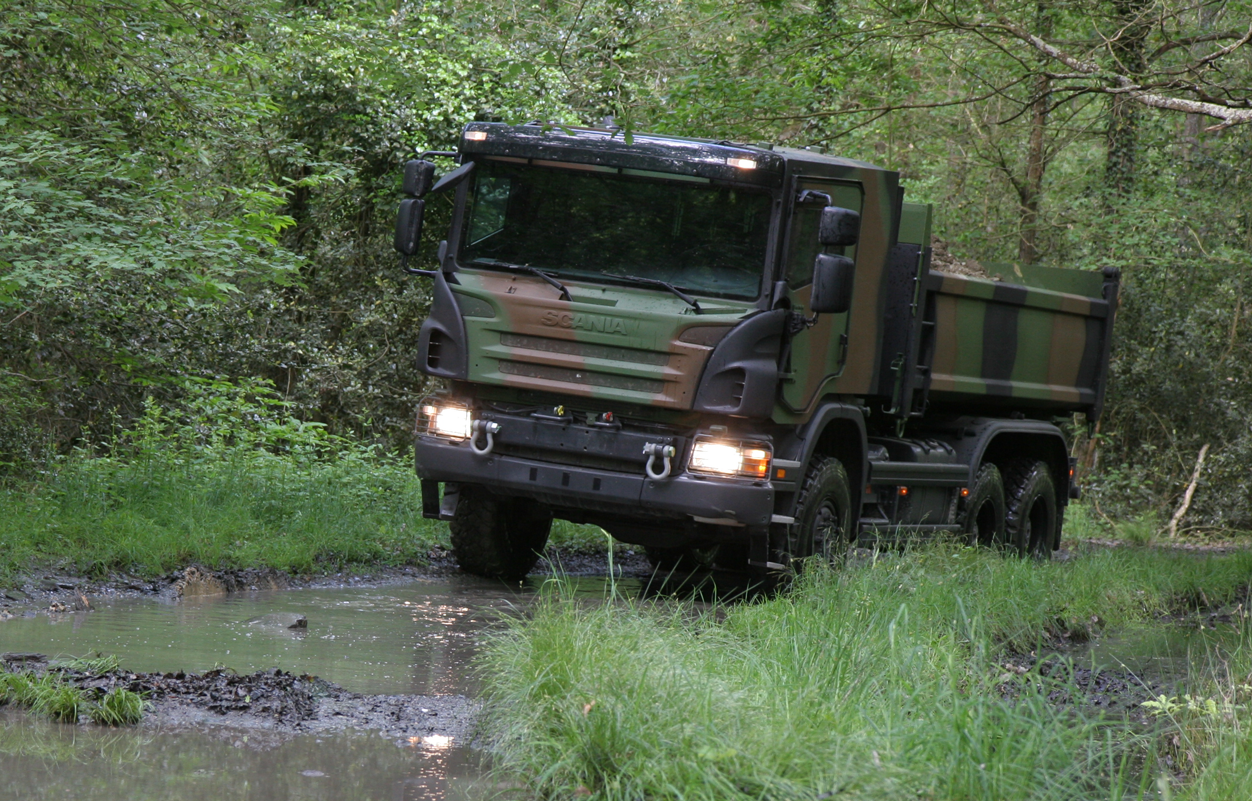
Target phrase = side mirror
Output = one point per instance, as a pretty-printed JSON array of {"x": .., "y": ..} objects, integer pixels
[
  {"x": 838, "y": 227},
  {"x": 409, "y": 225},
  {"x": 418, "y": 176},
  {"x": 832, "y": 284}
]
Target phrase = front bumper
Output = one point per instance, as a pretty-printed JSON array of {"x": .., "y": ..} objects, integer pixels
[{"x": 736, "y": 502}]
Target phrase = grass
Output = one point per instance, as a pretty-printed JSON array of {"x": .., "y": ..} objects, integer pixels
[
  {"x": 879, "y": 681},
  {"x": 118, "y": 707},
  {"x": 51, "y": 695},
  {"x": 48, "y": 694},
  {"x": 98, "y": 515}
]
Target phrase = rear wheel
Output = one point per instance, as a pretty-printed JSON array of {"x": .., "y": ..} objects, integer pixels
[
  {"x": 1033, "y": 519},
  {"x": 985, "y": 512},
  {"x": 823, "y": 516},
  {"x": 497, "y": 537}
]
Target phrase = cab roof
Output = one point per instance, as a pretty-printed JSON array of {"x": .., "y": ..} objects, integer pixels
[{"x": 764, "y": 166}]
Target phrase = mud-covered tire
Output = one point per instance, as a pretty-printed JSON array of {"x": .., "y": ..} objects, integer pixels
[
  {"x": 681, "y": 560},
  {"x": 823, "y": 514},
  {"x": 497, "y": 537},
  {"x": 1033, "y": 516},
  {"x": 985, "y": 513}
]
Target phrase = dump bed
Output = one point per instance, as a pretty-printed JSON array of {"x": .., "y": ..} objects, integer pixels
[{"x": 1011, "y": 336}]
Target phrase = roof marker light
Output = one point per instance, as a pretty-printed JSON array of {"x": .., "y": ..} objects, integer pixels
[
  {"x": 743, "y": 164},
  {"x": 475, "y": 136}
]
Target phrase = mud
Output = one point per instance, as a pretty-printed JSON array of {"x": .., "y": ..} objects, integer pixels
[
  {"x": 270, "y": 702},
  {"x": 942, "y": 260},
  {"x": 1087, "y": 689}
]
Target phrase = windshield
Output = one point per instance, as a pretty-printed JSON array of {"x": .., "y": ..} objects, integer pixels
[{"x": 700, "y": 237}]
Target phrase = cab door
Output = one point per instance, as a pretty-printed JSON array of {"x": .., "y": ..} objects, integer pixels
[{"x": 819, "y": 352}]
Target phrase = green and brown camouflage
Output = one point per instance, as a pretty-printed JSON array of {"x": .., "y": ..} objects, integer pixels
[
  {"x": 1038, "y": 340},
  {"x": 606, "y": 344},
  {"x": 580, "y": 381}
]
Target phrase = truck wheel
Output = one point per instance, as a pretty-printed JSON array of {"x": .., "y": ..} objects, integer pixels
[
  {"x": 496, "y": 537},
  {"x": 984, "y": 508},
  {"x": 681, "y": 560},
  {"x": 1033, "y": 519},
  {"x": 823, "y": 513}
]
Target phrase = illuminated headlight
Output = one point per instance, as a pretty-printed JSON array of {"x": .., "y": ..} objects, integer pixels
[
  {"x": 730, "y": 458},
  {"x": 445, "y": 421}
]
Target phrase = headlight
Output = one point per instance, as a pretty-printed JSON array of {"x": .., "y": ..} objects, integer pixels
[
  {"x": 444, "y": 420},
  {"x": 730, "y": 458}
]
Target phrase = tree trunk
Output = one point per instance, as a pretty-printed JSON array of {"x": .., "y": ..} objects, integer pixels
[
  {"x": 1036, "y": 157},
  {"x": 1127, "y": 49}
]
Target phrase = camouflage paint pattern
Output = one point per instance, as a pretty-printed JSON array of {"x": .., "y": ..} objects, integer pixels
[
  {"x": 1039, "y": 346},
  {"x": 607, "y": 343},
  {"x": 1041, "y": 342}
]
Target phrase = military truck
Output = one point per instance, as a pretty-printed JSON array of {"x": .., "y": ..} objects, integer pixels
[{"x": 731, "y": 355}]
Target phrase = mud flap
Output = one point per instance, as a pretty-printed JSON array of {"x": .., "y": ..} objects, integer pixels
[
  {"x": 758, "y": 550},
  {"x": 433, "y": 508}
]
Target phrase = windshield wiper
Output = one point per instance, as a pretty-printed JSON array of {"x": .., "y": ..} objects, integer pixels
[
  {"x": 692, "y": 302},
  {"x": 525, "y": 268}
]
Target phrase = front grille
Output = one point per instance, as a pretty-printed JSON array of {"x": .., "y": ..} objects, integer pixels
[
  {"x": 586, "y": 350},
  {"x": 587, "y": 377}
]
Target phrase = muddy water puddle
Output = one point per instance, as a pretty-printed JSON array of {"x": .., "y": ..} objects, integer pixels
[
  {"x": 1168, "y": 653},
  {"x": 415, "y": 638},
  {"x": 43, "y": 760}
]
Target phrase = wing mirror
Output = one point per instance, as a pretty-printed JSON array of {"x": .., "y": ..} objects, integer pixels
[
  {"x": 838, "y": 227},
  {"x": 832, "y": 284},
  {"x": 409, "y": 225},
  {"x": 419, "y": 174}
]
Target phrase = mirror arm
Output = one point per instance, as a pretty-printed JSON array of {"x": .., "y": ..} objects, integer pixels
[{"x": 404, "y": 265}]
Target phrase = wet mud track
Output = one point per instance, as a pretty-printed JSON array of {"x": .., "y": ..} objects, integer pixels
[{"x": 274, "y": 701}]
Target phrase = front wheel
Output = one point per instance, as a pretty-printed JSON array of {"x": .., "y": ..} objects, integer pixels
[
  {"x": 823, "y": 516},
  {"x": 497, "y": 537},
  {"x": 1033, "y": 520}
]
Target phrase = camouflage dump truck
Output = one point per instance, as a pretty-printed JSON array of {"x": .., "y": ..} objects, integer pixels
[{"x": 731, "y": 354}]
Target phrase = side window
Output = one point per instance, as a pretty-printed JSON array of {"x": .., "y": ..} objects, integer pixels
[
  {"x": 491, "y": 202},
  {"x": 802, "y": 246}
]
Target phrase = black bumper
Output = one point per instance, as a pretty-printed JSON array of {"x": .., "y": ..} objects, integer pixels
[{"x": 726, "y": 501}]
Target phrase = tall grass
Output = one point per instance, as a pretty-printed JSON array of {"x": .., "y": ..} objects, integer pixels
[
  {"x": 234, "y": 482},
  {"x": 880, "y": 681}
]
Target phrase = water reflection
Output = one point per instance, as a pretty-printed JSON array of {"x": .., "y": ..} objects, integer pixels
[{"x": 43, "y": 760}]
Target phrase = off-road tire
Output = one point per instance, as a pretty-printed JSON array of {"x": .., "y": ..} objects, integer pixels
[
  {"x": 681, "y": 560},
  {"x": 1033, "y": 517},
  {"x": 823, "y": 515},
  {"x": 985, "y": 513},
  {"x": 497, "y": 537}
]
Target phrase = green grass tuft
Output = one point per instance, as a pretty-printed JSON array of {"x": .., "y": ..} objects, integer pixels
[
  {"x": 51, "y": 695},
  {"x": 118, "y": 707},
  {"x": 100, "y": 663},
  {"x": 48, "y": 694}
]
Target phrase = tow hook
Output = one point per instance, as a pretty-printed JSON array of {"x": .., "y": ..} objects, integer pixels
[
  {"x": 653, "y": 450},
  {"x": 491, "y": 429}
]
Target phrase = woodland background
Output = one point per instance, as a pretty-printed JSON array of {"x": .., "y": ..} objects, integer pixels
[{"x": 196, "y": 200}]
